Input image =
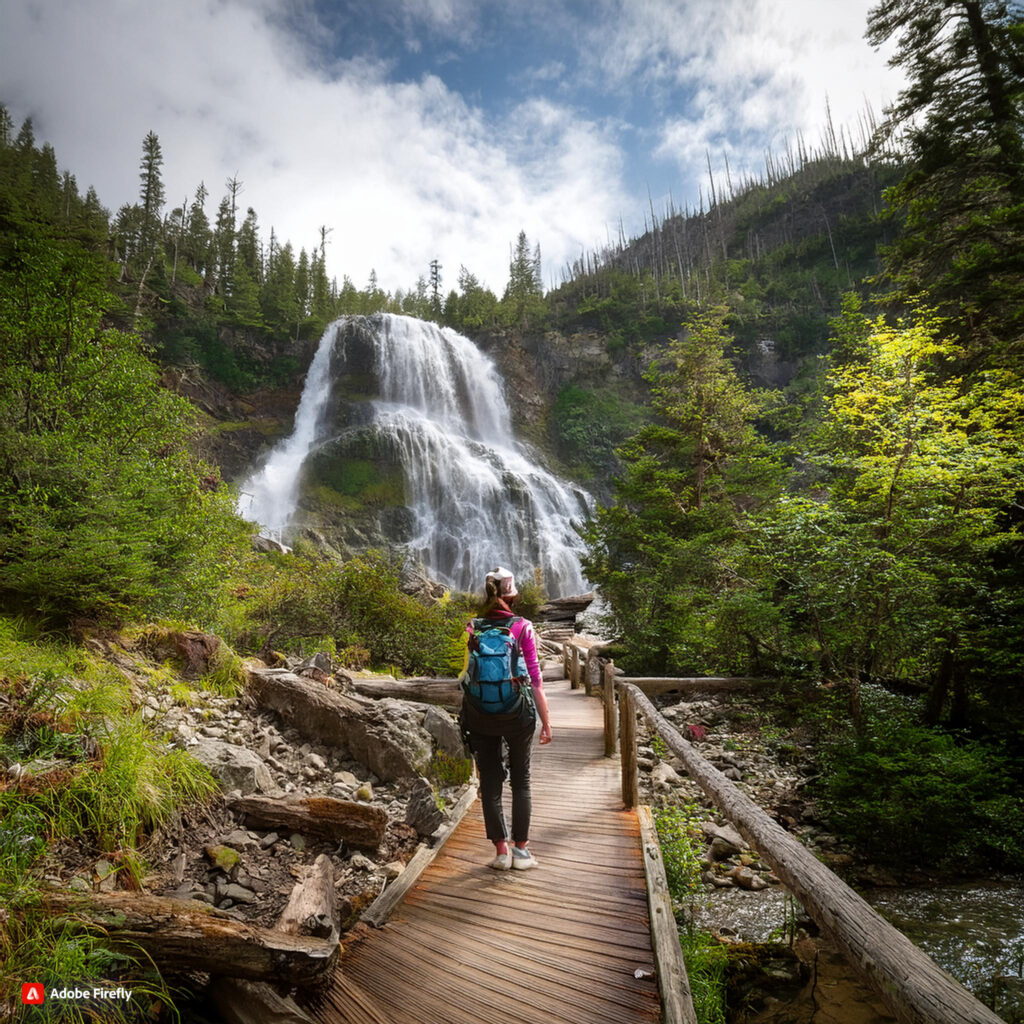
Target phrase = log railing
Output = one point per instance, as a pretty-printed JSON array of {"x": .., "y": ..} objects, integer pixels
[{"x": 914, "y": 987}]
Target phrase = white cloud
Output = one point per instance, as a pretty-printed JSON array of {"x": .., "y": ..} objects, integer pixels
[
  {"x": 755, "y": 73},
  {"x": 403, "y": 172}
]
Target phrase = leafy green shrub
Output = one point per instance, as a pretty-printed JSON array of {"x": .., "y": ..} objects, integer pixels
[
  {"x": 299, "y": 604},
  {"x": 681, "y": 849},
  {"x": 909, "y": 794},
  {"x": 103, "y": 509},
  {"x": 446, "y": 770}
]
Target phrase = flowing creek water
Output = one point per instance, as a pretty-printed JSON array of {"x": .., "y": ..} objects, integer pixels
[
  {"x": 974, "y": 931},
  {"x": 478, "y": 496}
]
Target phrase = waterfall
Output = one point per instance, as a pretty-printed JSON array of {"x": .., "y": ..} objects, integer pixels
[{"x": 477, "y": 496}]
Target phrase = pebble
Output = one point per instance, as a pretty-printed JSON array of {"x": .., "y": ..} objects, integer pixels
[
  {"x": 268, "y": 840},
  {"x": 316, "y": 761}
]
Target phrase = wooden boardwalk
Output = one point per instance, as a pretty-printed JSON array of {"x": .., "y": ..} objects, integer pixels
[{"x": 555, "y": 945}]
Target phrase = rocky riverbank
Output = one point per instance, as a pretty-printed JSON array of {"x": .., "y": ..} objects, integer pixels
[{"x": 781, "y": 970}]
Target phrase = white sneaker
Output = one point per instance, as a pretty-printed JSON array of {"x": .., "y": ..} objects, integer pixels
[
  {"x": 502, "y": 861},
  {"x": 522, "y": 860}
]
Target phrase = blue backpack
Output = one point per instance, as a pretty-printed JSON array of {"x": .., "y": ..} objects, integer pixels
[{"x": 496, "y": 669}]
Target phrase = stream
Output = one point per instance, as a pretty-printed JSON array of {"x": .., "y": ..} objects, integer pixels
[{"x": 975, "y": 931}]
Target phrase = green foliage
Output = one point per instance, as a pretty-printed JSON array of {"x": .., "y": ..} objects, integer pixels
[
  {"x": 910, "y": 795},
  {"x": 446, "y": 770},
  {"x": 298, "y": 602},
  {"x": 707, "y": 963},
  {"x": 959, "y": 119},
  {"x": 669, "y": 554},
  {"x": 591, "y": 424},
  {"x": 103, "y": 507},
  {"x": 679, "y": 835},
  {"x": 892, "y": 567}
]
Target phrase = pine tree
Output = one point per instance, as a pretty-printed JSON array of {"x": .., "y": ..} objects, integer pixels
[
  {"x": 151, "y": 195},
  {"x": 959, "y": 122},
  {"x": 523, "y": 302}
]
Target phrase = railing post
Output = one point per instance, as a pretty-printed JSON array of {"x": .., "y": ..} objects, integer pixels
[
  {"x": 609, "y": 710},
  {"x": 593, "y": 676},
  {"x": 565, "y": 662},
  {"x": 574, "y": 667},
  {"x": 627, "y": 741}
]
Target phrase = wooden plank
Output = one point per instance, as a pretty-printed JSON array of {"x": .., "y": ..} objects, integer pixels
[
  {"x": 673, "y": 981},
  {"x": 378, "y": 911},
  {"x": 555, "y": 945},
  {"x": 914, "y": 987}
]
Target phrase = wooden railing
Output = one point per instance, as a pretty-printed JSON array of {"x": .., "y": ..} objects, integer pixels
[{"x": 914, "y": 987}]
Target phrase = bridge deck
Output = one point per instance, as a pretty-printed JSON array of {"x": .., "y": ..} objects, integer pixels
[{"x": 555, "y": 945}]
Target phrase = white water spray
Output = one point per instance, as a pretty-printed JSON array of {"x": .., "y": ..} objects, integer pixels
[{"x": 478, "y": 497}]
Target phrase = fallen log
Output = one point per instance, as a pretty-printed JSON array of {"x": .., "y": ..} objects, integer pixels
[
  {"x": 445, "y": 692},
  {"x": 356, "y": 725},
  {"x": 187, "y": 935},
  {"x": 562, "y": 608},
  {"x": 357, "y": 824},
  {"x": 311, "y": 910},
  {"x": 656, "y": 685},
  {"x": 915, "y": 988}
]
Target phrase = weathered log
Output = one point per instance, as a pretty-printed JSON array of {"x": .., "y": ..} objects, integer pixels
[
  {"x": 187, "y": 935},
  {"x": 360, "y": 825},
  {"x": 693, "y": 684},
  {"x": 312, "y": 908},
  {"x": 915, "y": 988},
  {"x": 445, "y": 692},
  {"x": 356, "y": 725},
  {"x": 673, "y": 981},
  {"x": 562, "y": 608}
]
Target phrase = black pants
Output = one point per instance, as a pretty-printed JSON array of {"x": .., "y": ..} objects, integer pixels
[{"x": 489, "y": 763}]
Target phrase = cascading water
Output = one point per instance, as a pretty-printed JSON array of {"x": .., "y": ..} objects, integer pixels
[{"x": 477, "y": 497}]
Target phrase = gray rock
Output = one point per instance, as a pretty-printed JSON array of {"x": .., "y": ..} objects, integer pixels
[
  {"x": 316, "y": 761},
  {"x": 235, "y": 767},
  {"x": 727, "y": 834},
  {"x": 422, "y": 812},
  {"x": 268, "y": 840},
  {"x": 664, "y": 776},
  {"x": 440, "y": 725},
  {"x": 238, "y": 839},
  {"x": 393, "y": 869},
  {"x": 362, "y": 862},
  {"x": 298, "y": 842},
  {"x": 237, "y": 893}
]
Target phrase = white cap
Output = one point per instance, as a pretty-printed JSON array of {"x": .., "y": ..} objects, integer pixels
[{"x": 505, "y": 580}]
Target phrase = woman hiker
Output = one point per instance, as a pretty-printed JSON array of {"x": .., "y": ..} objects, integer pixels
[{"x": 511, "y": 723}]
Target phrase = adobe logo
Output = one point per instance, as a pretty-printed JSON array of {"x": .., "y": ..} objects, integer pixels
[{"x": 32, "y": 994}]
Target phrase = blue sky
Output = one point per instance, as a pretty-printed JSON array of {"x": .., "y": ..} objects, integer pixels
[{"x": 422, "y": 129}]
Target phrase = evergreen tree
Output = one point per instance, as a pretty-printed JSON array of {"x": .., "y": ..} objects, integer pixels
[
  {"x": 151, "y": 194},
  {"x": 523, "y": 302},
  {"x": 669, "y": 553},
  {"x": 959, "y": 121}
]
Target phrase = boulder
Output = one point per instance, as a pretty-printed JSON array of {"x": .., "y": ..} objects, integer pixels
[
  {"x": 445, "y": 731},
  {"x": 422, "y": 812},
  {"x": 235, "y": 767}
]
